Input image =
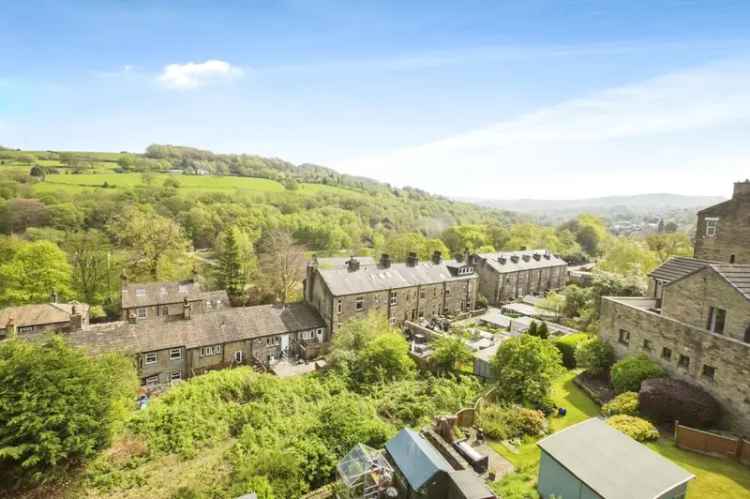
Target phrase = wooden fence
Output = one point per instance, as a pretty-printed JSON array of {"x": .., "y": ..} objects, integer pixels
[{"x": 712, "y": 444}]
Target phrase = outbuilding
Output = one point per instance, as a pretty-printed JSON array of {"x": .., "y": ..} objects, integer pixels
[{"x": 593, "y": 460}]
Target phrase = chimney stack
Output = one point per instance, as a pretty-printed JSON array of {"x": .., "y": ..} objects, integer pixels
[
  {"x": 385, "y": 261},
  {"x": 76, "y": 319},
  {"x": 502, "y": 260},
  {"x": 187, "y": 309},
  {"x": 537, "y": 256},
  {"x": 466, "y": 255},
  {"x": 437, "y": 258},
  {"x": 352, "y": 264},
  {"x": 412, "y": 259},
  {"x": 741, "y": 189}
]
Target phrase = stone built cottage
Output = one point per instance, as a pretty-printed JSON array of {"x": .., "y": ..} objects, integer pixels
[
  {"x": 508, "y": 275},
  {"x": 413, "y": 290},
  {"x": 196, "y": 343},
  {"x": 164, "y": 300},
  {"x": 27, "y": 319},
  {"x": 695, "y": 319}
]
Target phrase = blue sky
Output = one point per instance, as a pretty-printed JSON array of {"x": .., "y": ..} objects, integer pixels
[{"x": 474, "y": 99}]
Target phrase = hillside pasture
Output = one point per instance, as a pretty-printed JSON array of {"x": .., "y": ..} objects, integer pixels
[{"x": 188, "y": 183}]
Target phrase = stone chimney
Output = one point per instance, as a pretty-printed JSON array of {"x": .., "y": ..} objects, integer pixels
[
  {"x": 467, "y": 256},
  {"x": 10, "y": 328},
  {"x": 412, "y": 260},
  {"x": 187, "y": 309},
  {"x": 437, "y": 258},
  {"x": 76, "y": 319},
  {"x": 352, "y": 264},
  {"x": 385, "y": 261},
  {"x": 741, "y": 189}
]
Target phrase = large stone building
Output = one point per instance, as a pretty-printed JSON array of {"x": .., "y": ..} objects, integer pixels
[
  {"x": 27, "y": 319},
  {"x": 695, "y": 319},
  {"x": 344, "y": 289},
  {"x": 723, "y": 231},
  {"x": 164, "y": 300},
  {"x": 196, "y": 343},
  {"x": 506, "y": 276}
]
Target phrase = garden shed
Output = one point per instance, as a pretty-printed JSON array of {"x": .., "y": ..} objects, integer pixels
[{"x": 593, "y": 460}]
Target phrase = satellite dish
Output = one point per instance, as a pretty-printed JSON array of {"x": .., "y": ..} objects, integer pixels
[{"x": 391, "y": 492}]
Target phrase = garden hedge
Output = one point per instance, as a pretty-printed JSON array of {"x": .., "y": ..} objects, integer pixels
[
  {"x": 634, "y": 427},
  {"x": 665, "y": 400},
  {"x": 567, "y": 346},
  {"x": 628, "y": 374}
]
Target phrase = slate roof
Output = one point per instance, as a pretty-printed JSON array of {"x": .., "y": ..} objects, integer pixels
[
  {"x": 677, "y": 267},
  {"x": 611, "y": 463},
  {"x": 339, "y": 262},
  {"x": 738, "y": 276},
  {"x": 41, "y": 314},
  {"x": 493, "y": 260},
  {"x": 470, "y": 485},
  {"x": 223, "y": 326},
  {"x": 371, "y": 278},
  {"x": 417, "y": 460},
  {"x": 164, "y": 293}
]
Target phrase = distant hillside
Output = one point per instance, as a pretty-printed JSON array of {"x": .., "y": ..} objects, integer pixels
[{"x": 612, "y": 207}]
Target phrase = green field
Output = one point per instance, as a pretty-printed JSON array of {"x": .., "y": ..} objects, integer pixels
[
  {"x": 188, "y": 183},
  {"x": 714, "y": 478}
]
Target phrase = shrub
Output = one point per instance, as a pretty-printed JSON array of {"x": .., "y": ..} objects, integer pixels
[
  {"x": 567, "y": 346},
  {"x": 625, "y": 403},
  {"x": 504, "y": 422},
  {"x": 595, "y": 355},
  {"x": 628, "y": 373},
  {"x": 666, "y": 400},
  {"x": 634, "y": 427},
  {"x": 58, "y": 404},
  {"x": 520, "y": 484}
]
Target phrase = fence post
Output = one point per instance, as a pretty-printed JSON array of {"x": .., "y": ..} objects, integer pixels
[
  {"x": 740, "y": 448},
  {"x": 676, "y": 424}
]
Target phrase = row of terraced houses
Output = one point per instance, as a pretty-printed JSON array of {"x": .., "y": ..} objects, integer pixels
[{"x": 178, "y": 329}]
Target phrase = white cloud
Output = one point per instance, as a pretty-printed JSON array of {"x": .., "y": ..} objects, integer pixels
[
  {"x": 197, "y": 74},
  {"x": 682, "y": 132}
]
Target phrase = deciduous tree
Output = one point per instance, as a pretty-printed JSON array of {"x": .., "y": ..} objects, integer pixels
[{"x": 282, "y": 263}]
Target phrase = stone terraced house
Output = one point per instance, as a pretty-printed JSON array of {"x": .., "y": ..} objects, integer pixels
[
  {"x": 196, "y": 343},
  {"x": 695, "y": 319},
  {"x": 342, "y": 289},
  {"x": 41, "y": 317},
  {"x": 164, "y": 300},
  {"x": 508, "y": 275}
]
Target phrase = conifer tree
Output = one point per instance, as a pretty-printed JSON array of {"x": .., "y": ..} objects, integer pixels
[{"x": 230, "y": 275}]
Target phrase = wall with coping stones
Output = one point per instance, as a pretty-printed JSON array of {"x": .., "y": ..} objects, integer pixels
[{"x": 730, "y": 357}]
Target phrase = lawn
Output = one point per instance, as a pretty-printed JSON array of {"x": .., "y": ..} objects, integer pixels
[{"x": 715, "y": 478}]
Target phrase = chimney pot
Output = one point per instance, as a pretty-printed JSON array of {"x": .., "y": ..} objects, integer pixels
[
  {"x": 11, "y": 327},
  {"x": 437, "y": 258},
  {"x": 412, "y": 259},
  {"x": 187, "y": 309},
  {"x": 502, "y": 260},
  {"x": 537, "y": 256},
  {"x": 385, "y": 260},
  {"x": 352, "y": 264}
]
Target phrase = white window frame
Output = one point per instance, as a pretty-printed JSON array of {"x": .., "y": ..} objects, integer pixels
[
  {"x": 26, "y": 329},
  {"x": 712, "y": 226},
  {"x": 151, "y": 380},
  {"x": 339, "y": 306},
  {"x": 147, "y": 355},
  {"x": 175, "y": 375},
  {"x": 359, "y": 303},
  {"x": 394, "y": 298},
  {"x": 239, "y": 356},
  {"x": 141, "y": 312},
  {"x": 172, "y": 352},
  {"x": 140, "y": 292}
]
